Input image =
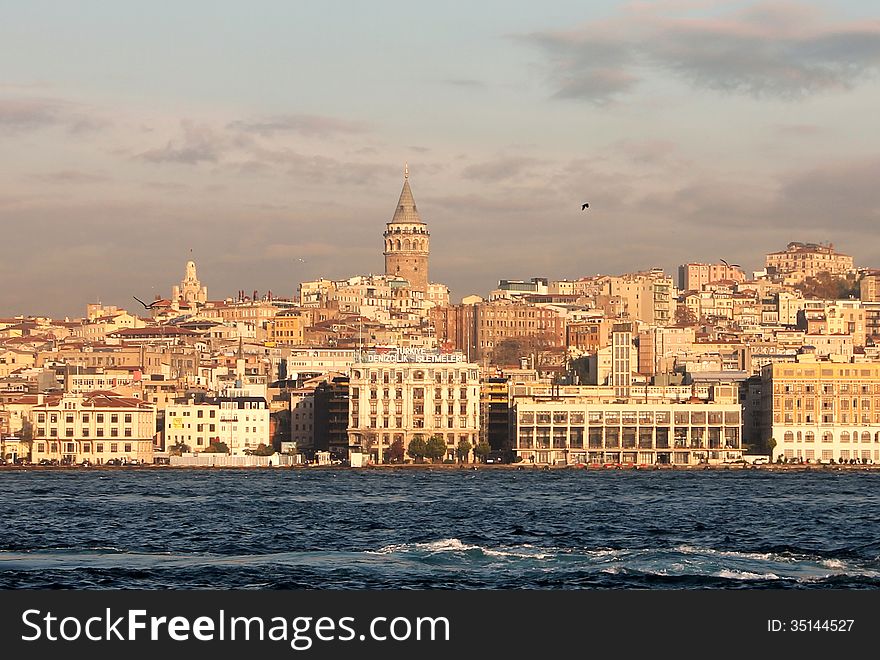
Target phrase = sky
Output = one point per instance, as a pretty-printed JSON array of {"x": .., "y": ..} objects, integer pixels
[{"x": 267, "y": 140}]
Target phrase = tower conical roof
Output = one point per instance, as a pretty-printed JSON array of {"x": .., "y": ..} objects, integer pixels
[{"x": 406, "y": 211}]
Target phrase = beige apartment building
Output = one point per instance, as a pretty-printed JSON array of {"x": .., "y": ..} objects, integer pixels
[
  {"x": 821, "y": 411},
  {"x": 97, "y": 426},
  {"x": 236, "y": 418},
  {"x": 869, "y": 287},
  {"x": 694, "y": 276},
  {"x": 802, "y": 260},
  {"x": 401, "y": 393},
  {"x": 648, "y": 296}
]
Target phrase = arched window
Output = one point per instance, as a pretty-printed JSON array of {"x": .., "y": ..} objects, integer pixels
[
  {"x": 406, "y": 244},
  {"x": 398, "y": 243},
  {"x": 827, "y": 437},
  {"x": 844, "y": 436},
  {"x": 866, "y": 436},
  {"x": 809, "y": 437},
  {"x": 789, "y": 437},
  {"x": 418, "y": 375}
]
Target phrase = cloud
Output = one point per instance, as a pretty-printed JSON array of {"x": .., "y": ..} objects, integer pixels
[
  {"x": 308, "y": 125},
  {"x": 769, "y": 49},
  {"x": 842, "y": 196},
  {"x": 30, "y": 114},
  {"x": 466, "y": 83},
  {"x": 198, "y": 144},
  {"x": 21, "y": 114},
  {"x": 69, "y": 176},
  {"x": 799, "y": 130},
  {"x": 499, "y": 169}
]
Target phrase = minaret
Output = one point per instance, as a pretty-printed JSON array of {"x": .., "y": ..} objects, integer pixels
[{"x": 407, "y": 241}]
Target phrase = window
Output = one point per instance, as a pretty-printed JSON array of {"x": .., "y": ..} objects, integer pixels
[
  {"x": 85, "y": 433},
  {"x": 127, "y": 446},
  {"x": 114, "y": 419},
  {"x": 99, "y": 448},
  {"x": 114, "y": 432},
  {"x": 128, "y": 432},
  {"x": 114, "y": 447}
]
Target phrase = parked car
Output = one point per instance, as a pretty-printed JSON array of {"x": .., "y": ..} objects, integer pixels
[
  {"x": 113, "y": 462},
  {"x": 85, "y": 462}
]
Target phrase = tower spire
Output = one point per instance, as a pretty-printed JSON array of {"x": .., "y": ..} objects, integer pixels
[{"x": 406, "y": 170}]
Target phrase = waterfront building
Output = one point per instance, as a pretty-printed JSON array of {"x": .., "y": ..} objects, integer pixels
[
  {"x": 331, "y": 415},
  {"x": 398, "y": 394},
  {"x": 821, "y": 411},
  {"x": 235, "y": 417},
  {"x": 97, "y": 426},
  {"x": 654, "y": 425}
]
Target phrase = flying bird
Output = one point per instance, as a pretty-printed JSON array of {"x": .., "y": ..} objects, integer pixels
[
  {"x": 735, "y": 266},
  {"x": 146, "y": 306},
  {"x": 725, "y": 263},
  {"x": 585, "y": 206}
]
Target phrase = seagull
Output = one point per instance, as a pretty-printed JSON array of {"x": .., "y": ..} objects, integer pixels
[
  {"x": 301, "y": 259},
  {"x": 735, "y": 266},
  {"x": 146, "y": 306},
  {"x": 585, "y": 206},
  {"x": 725, "y": 263}
]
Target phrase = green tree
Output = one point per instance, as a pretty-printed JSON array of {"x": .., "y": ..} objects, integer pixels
[
  {"x": 417, "y": 448},
  {"x": 262, "y": 450},
  {"x": 179, "y": 448},
  {"x": 26, "y": 435},
  {"x": 395, "y": 452},
  {"x": 482, "y": 450},
  {"x": 771, "y": 445},
  {"x": 435, "y": 448},
  {"x": 463, "y": 450},
  {"x": 216, "y": 447}
]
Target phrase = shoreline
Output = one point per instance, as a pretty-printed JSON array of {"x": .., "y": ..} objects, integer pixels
[{"x": 724, "y": 467}]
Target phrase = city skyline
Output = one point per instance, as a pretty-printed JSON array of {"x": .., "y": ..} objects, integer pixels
[{"x": 696, "y": 131}]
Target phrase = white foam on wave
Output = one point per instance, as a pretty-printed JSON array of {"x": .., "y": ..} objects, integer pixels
[
  {"x": 745, "y": 575},
  {"x": 525, "y": 551}
]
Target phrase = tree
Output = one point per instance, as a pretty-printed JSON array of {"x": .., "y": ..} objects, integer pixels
[
  {"x": 482, "y": 450},
  {"x": 771, "y": 445},
  {"x": 262, "y": 450},
  {"x": 368, "y": 441},
  {"x": 435, "y": 448},
  {"x": 395, "y": 452},
  {"x": 829, "y": 287},
  {"x": 685, "y": 316},
  {"x": 463, "y": 450},
  {"x": 179, "y": 448},
  {"x": 417, "y": 448},
  {"x": 216, "y": 447}
]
